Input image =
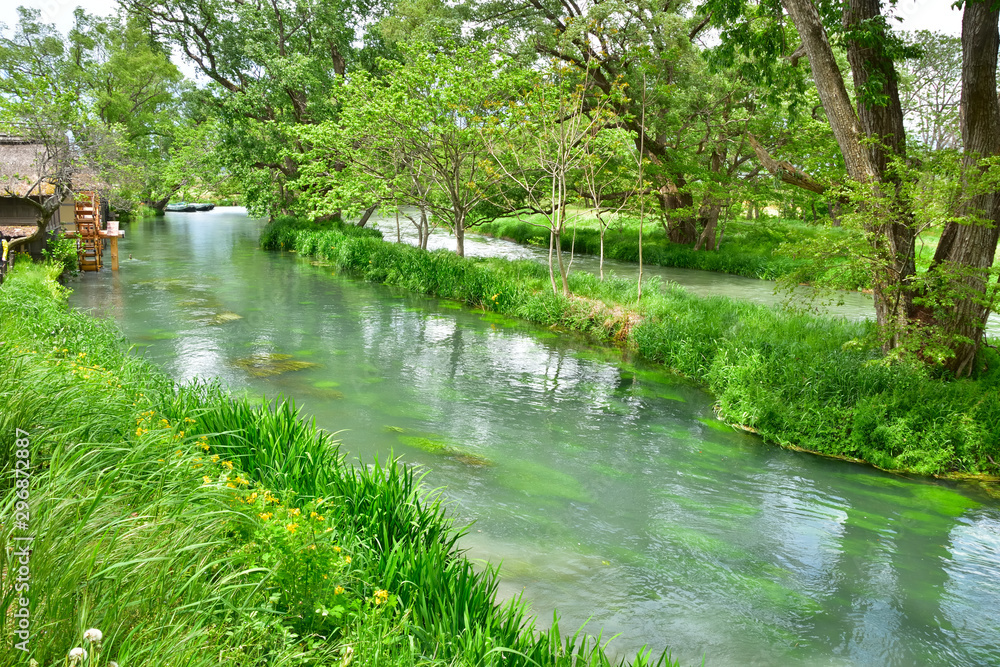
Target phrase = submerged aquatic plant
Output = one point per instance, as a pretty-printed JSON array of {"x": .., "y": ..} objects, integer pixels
[{"x": 267, "y": 364}]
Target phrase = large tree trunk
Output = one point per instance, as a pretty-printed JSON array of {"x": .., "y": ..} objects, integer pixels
[
  {"x": 677, "y": 206},
  {"x": 891, "y": 228},
  {"x": 888, "y": 229},
  {"x": 967, "y": 249}
]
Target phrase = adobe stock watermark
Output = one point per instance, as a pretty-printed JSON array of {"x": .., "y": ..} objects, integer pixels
[{"x": 21, "y": 556}]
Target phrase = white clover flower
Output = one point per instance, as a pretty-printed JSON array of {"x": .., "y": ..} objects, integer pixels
[{"x": 93, "y": 635}]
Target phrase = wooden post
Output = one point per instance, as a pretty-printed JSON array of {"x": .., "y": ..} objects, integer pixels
[{"x": 113, "y": 234}]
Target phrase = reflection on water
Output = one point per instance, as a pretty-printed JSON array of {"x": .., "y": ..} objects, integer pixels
[{"x": 606, "y": 488}]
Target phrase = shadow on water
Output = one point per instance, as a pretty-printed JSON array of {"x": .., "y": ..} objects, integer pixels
[{"x": 605, "y": 487}]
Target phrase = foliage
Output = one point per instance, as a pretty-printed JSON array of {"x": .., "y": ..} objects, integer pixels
[
  {"x": 63, "y": 251},
  {"x": 411, "y": 137},
  {"x": 108, "y": 85},
  {"x": 272, "y": 68},
  {"x": 756, "y": 249},
  {"x": 930, "y": 90}
]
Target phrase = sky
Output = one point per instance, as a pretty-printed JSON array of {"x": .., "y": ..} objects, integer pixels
[{"x": 916, "y": 14}]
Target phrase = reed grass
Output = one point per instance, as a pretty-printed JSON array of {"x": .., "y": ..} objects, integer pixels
[
  {"x": 193, "y": 528},
  {"x": 799, "y": 380}
]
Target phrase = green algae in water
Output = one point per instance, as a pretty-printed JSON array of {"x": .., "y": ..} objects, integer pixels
[
  {"x": 443, "y": 448},
  {"x": 716, "y": 425},
  {"x": 424, "y": 444},
  {"x": 223, "y": 318},
  {"x": 497, "y": 318},
  {"x": 610, "y": 471},
  {"x": 450, "y": 305},
  {"x": 326, "y": 384},
  {"x": 393, "y": 429},
  {"x": 534, "y": 479},
  {"x": 267, "y": 364},
  {"x": 159, "y": 334},
  {"x": 943, "y": 500}
]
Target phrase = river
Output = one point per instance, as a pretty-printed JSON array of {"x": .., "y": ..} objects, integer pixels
[{"x": 605, "y": 487}]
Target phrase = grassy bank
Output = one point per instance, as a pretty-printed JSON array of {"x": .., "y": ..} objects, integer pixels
[
  {"x": 192, "y": 528},
  {"x": 751, "y": 248},
  {"x": 798, "y": 380}
]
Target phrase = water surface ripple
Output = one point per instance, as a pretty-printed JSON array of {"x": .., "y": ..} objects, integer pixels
[{"x": 606, "y": 488}]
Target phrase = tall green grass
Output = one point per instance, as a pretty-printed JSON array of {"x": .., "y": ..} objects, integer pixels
[
  {"x": 799, "y": 380},
  {"x": 754, "y": 249},
  {"x": 194, "y": 528}
]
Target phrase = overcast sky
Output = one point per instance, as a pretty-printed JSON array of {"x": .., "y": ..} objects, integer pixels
[{"x": 916, "y": 14}]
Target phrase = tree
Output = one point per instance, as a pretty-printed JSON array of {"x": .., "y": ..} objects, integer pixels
[
  {"x": 272, "y": 66},
  {"x": 44, "y": 105},
  {"x": 421, "y": 120},
  {"x": 931, "y": 88},
  {"x": 941, "y": 314},
  {"x": 540, "y": 142},
  {"x": 694, "y": 117}
]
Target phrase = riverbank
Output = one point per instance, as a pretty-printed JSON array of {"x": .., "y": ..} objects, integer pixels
[
  {"x": 188, "y": 520},
  {"x": 753, "y": 249},
  {"x": 801, "y": 381}
]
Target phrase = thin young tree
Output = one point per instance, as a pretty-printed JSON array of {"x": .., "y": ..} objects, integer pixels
[{"x": 540, "y": 144}]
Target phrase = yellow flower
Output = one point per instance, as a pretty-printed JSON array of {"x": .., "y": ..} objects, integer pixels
[
  {"x": 139, "y": 432},
  {"x": 265, "y": 515},
  {"x": 230, "y": 485},
  {"x": 380, "y": 596},
  {"x": 319, "y": 501},
  {"x": 203, "y": 445},
  {"x": 337, "y": 549},
  {"x": 207, "y": 479},
  {"x": 347, "y": 559},
  {"x": 294, "y": 511},
  {"x": 228, "y": 464},
  {"x": 215, "y": 458},
  {"x": 291, "y": 527},
  {"x": 338, "y": 590}
]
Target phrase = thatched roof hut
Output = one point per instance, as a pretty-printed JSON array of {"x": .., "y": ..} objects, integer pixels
[
  {"x": 22, "y": 168},
  {"x": 28, "y": 169}
]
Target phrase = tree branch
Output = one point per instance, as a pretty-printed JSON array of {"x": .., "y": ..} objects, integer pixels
[{"x": 786, "y": 171}]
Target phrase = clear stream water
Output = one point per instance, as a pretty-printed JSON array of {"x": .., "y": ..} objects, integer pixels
[{"x": 606, "y": 488}]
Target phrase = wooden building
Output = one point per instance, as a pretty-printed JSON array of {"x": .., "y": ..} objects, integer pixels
[{"x": 25, "y": 168}]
